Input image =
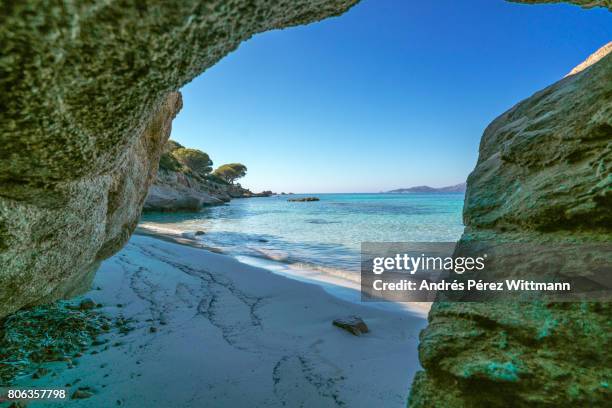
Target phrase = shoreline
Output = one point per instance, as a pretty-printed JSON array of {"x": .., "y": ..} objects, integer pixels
[
  {"x": 205, "y": 329},
  {"x": 340, "y": 287},
  {"x": 174, "y": 237}
]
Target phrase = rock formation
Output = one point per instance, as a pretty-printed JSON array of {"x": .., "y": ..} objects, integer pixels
[
  {"x": 88, "y": 95},
  {"x": 87, "y": 101},
  {"x": 175, "y": 191},
  {"x": 543, "y": 175},
  {"x": 188, "y": 184},
  {"x": 54, "y": 233},
  {"x": 593, "y": 58}
]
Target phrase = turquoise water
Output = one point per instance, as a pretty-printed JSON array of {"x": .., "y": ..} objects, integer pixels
[{"x": 325, "y": 235}]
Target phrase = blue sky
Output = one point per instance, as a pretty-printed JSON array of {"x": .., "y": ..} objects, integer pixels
[{"x": 392, "y": 94}]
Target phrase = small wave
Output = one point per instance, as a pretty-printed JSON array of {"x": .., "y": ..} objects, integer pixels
[
  {"x": 301, "y": 266},
  {"x": 272, "y": 255},
  {"x": 346, "y": 274}
]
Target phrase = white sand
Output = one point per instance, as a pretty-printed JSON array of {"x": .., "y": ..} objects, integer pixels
[{"x": 232, "y": 335}]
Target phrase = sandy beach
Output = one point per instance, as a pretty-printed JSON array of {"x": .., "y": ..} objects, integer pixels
[{"x": 207, "y": 330}]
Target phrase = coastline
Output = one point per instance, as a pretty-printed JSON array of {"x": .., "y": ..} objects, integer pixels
[
  {"x": 174, "y": 237},
  {"x": 197, "y": 319},
  {"x": 345, "y": 286}
]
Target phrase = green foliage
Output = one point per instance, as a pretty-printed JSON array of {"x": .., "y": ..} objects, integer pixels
[
  {"x": 168, "y": 162},
  {"x": 216, "y": 179},
  {"x": 196, "y": 160},
  {"x": 171, "y": 146},
  {"x": 231, "y": 172}
]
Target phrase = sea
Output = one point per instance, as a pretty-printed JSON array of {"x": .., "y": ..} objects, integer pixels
[{"x": 318, "y": 241}]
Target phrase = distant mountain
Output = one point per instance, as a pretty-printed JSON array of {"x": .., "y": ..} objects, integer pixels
[{"x": 457, "y": 188}]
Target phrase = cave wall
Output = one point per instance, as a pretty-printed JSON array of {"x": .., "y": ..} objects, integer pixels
[
  {"x": 543, "y": 177},
  {"x": 88, "y": 96}
]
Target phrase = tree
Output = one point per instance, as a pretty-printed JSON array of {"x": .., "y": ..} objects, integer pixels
[
  {"x": 198, "y": 161},
  {"x": 167, "y": 161},
  {"x": 172, "y": 145},
  {"x": 231, "y": 172}
]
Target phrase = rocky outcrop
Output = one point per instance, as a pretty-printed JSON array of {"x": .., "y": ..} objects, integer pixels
[
  {"x": 185, "y": 182},
  {"x": 177, "y": 191},
  {"x": 87, "y": 100},
  {"x": 303, "y": 199},
  {"x": 593, "y": 58},
  {"x": 174, "y": 191},
  {"x": 581, "y": 3},
  {"x": 54, "y": 236},
  {"x": 543, "y": 176},
  {"x": 545, "y": 164}
]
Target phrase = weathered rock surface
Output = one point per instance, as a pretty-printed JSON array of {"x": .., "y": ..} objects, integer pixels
[
  {"x": 593, "y": 58},
  {"x": 545, "y": 164},
  {"x": 52, "y": 237},
  {"x": 188, "y": 191},
  {"x": 184, "y": 182},
  {"x": 87, "y": 100},
  {"x": 175, "y": 191},
  {"x": 352, "y": 324},
  {"x": 543, "y": 176}
]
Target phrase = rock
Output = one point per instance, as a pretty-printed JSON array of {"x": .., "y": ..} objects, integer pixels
[
  {"x": 266, "y": 193},
  {"x": 593, "y": 58},
  {"x": 175, "y": 191},
  {"x": 352, "y": 324},
  {"x": 303, "y": 199},
  {"x": 89, "y": 97},
  {"x": 75, "y": 224},
  {"x": 542, "y": 176},
  {"x": 87, "y": 304},
  {"x": 521, "y": 179},
  {"x": 184, "y": 182},
  {"x": 40, "y": 373},
  {"x": 582, "y": 3},
  {"x": 82, "y": 394}
]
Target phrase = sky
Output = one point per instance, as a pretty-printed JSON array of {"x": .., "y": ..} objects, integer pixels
[{"x": 394, "y": 93}]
